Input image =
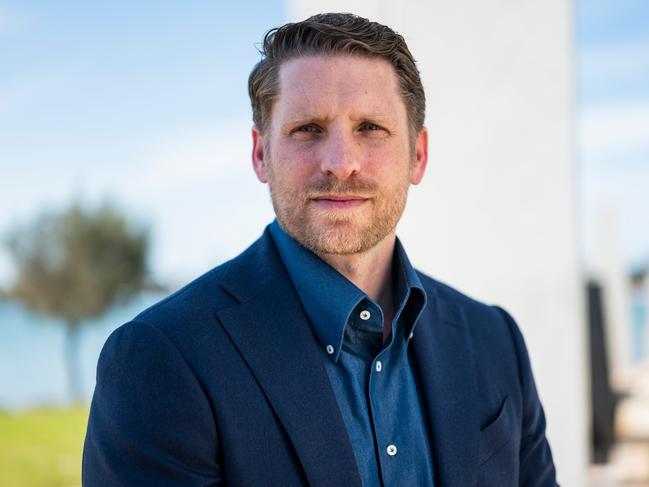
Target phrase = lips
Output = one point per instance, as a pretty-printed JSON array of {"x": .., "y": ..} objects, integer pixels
[{"x": 335, "y": 202}]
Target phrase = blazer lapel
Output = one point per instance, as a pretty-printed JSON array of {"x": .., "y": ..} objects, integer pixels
[
  {"x": 445, "y": 362},
  {"x": 273, "y": 335}
]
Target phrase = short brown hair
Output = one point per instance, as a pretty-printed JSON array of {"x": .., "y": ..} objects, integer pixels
[{"x": 327, "y": 34}]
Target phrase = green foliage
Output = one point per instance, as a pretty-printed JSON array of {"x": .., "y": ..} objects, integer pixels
[
  {"x": 75, "y": 264},
  {"x": 42, "y": 447}
]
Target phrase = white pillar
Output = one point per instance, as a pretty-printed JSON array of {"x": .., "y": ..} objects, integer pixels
[{"x": 495, "y": 216}]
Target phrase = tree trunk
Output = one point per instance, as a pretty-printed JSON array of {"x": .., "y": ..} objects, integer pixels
[{"x": 71, "y": 346}]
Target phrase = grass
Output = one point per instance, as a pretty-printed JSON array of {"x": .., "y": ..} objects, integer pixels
[{"x": 42, "y": 447}]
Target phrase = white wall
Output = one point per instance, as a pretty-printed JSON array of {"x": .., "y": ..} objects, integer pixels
[{"x": 495, "y": 215}]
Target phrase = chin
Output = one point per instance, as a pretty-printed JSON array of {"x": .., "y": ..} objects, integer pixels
[
  {"x": 340, "y": 238},
  {"x": 335, "y": 232},
  {"x": 342, "y": 245}
]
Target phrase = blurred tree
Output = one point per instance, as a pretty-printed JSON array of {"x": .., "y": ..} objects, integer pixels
[{"x": 74, "y": 265}]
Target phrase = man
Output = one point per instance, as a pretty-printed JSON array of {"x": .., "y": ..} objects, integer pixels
[{"x": 319, "y": 356}]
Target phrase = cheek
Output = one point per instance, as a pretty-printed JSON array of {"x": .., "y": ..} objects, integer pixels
[
  {"x": 294, "y": 163},
  {"x": 287, "y": 178},
  {"x": 388, "y": 165}
]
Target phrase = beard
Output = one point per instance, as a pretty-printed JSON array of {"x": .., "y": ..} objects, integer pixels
[{"x": 333, "y": 231}]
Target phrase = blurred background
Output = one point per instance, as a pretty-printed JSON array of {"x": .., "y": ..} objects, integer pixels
[{"x": 125, "y": 172}]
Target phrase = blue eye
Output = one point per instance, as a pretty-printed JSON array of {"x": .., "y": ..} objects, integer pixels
[{"x": 370, "y": 126}]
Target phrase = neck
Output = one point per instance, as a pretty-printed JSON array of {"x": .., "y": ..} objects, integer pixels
[{"x": 370, "y": 271}]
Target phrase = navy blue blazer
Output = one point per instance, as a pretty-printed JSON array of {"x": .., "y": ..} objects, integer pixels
[{"x": 223, "y": 382}]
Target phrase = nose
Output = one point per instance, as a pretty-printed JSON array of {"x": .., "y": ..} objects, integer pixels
[{"x": 341, "y": 155}]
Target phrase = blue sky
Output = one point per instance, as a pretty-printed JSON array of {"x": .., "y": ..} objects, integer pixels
[
  {"x": 612, "y": 41},
  {"x": 145, "y": 103}
]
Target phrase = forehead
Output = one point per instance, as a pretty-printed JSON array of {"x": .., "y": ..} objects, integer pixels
[{"x": 334, "y": 82}]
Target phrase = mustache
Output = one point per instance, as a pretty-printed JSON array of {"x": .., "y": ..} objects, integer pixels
[{"x": 356, "y": 187}]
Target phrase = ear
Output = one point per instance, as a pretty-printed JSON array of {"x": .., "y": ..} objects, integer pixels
[
  {"x": 421, "y": 157},
  {"x": 258, "y": 163}
]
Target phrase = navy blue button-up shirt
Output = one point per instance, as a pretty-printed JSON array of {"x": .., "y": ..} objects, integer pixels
[{"x": 373, "y": 381}]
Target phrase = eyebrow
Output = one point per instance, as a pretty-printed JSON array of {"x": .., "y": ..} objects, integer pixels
[
  {"x": 305, "y": 119},
  {"x": 309, "y": 118}
]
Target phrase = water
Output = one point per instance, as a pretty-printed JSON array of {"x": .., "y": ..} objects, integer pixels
[{"x": 32, "y": 367}]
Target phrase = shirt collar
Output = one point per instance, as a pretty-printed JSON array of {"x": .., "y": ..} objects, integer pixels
[{"x": 328, "y": 297}]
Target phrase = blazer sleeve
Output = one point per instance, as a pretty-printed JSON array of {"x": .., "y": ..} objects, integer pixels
[
  {"x": 536, "y": 464},
  {"x": 150, "y": 422}
]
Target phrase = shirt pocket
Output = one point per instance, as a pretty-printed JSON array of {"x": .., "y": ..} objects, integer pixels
[{"x": 497, "y": 433}]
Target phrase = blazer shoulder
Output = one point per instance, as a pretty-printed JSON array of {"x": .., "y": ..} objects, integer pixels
[
  {"x": 180, "y": 321},
  {"x": 491, "y": 329},
  {"x": 191, "y": 312},
  {"x": 201, "y": 295},
  {"x": 468, "y": 306}
]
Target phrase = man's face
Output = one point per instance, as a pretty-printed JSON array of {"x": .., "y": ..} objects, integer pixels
[{"x": 337, "y": 155}]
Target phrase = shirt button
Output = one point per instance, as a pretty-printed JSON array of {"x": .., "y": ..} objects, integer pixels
[
  {"x": 378, "y": 366},
  {"x": 330, "y": 349},
  {"x": 392, "y": 450},
  {"x": 365, "y": 315}
]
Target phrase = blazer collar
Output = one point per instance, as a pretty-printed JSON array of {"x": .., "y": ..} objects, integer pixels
[
  {"x": 273, "y": 335},
  {"x": 445, "y": 361}
]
